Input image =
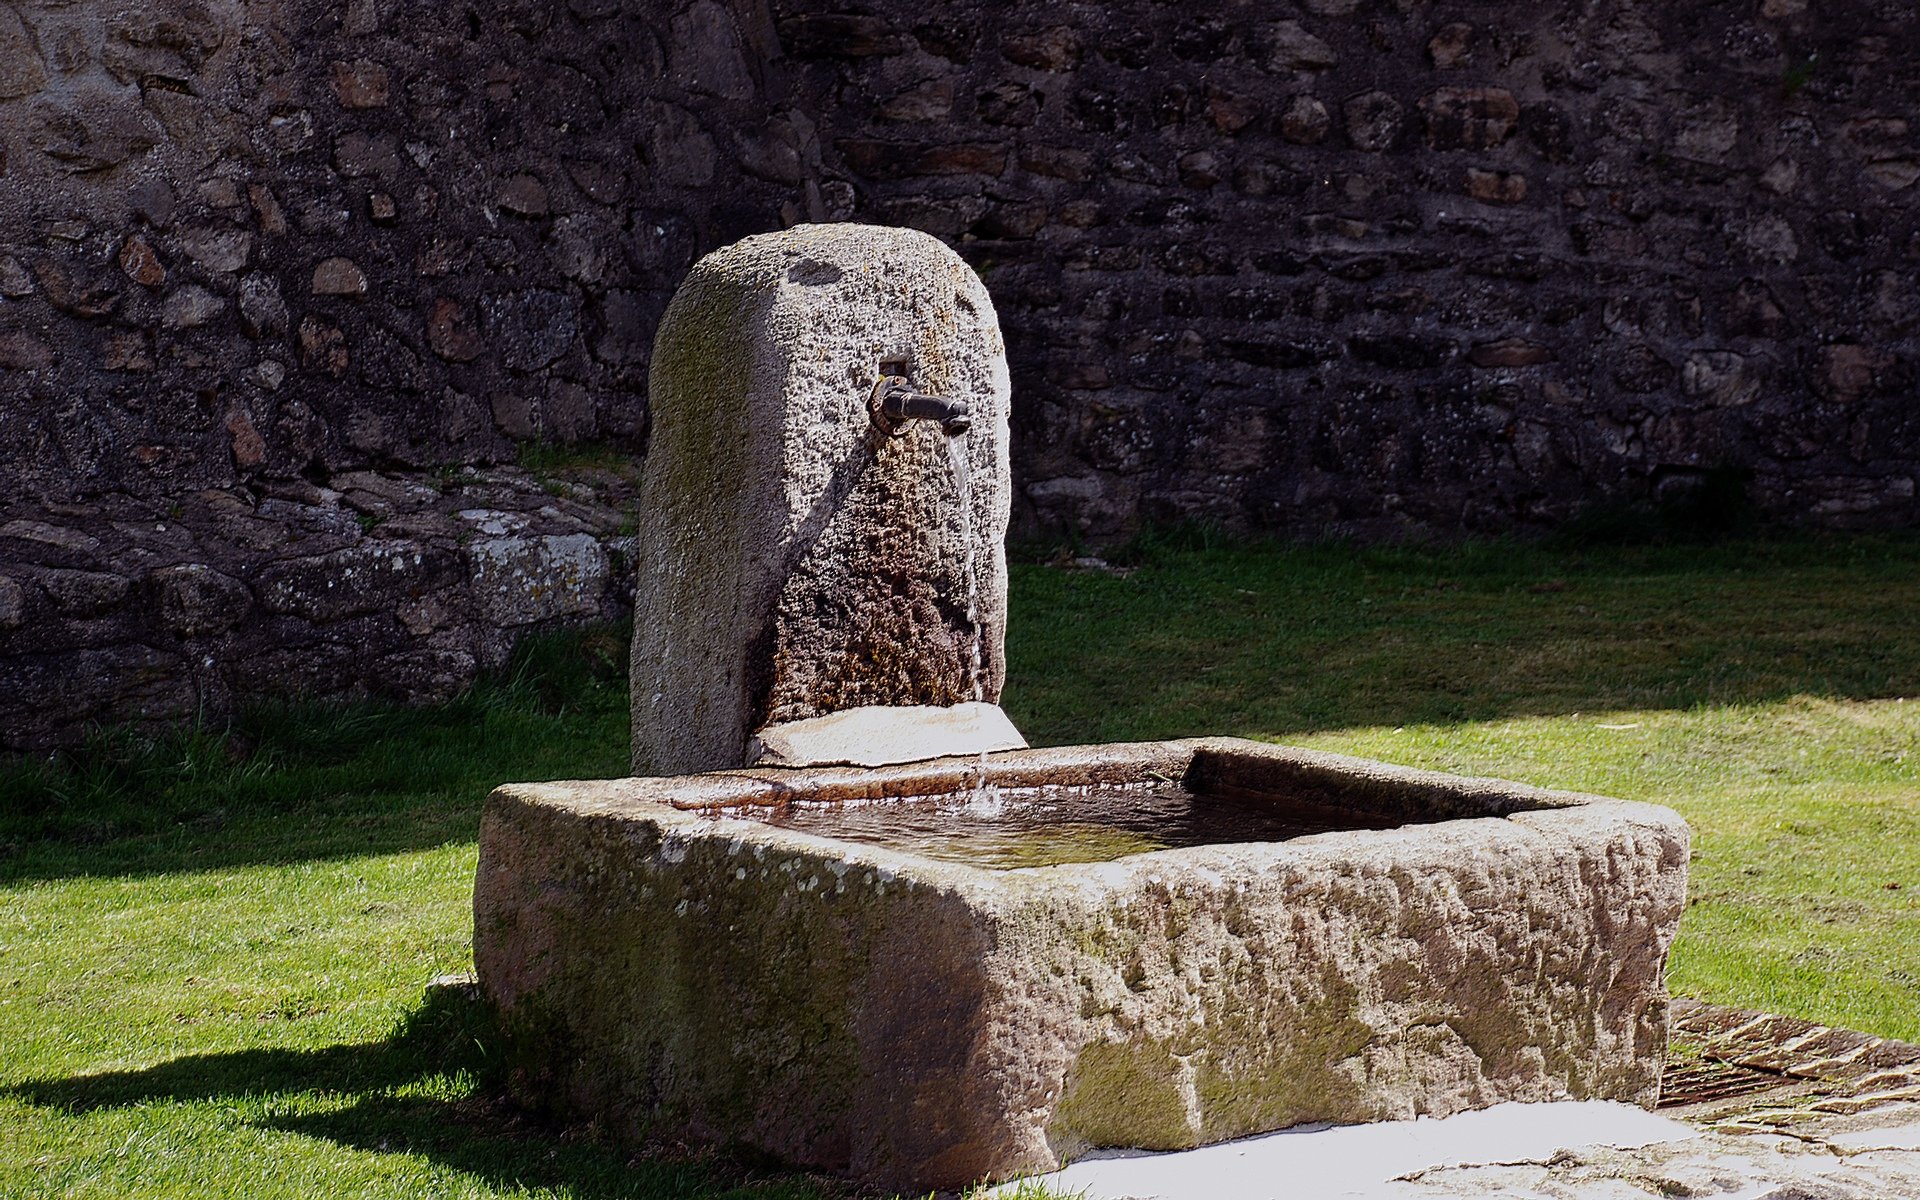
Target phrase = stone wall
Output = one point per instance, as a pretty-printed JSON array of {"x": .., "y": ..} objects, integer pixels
[
  {"x": 286, "y": 287},
  {"x": 1360, "y": 267}
]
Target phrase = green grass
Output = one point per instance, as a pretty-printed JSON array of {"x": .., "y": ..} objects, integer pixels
[
  {"x": 1275, "y": 642},
  {"x": 365, "y": 777},
  {"x": 213, "y": 949},
  {"x": 543, "y": 457},
  {"x": 212, "y": 967}
]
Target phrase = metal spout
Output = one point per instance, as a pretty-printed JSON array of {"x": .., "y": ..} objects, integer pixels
[{"x": 894, "y": 403}]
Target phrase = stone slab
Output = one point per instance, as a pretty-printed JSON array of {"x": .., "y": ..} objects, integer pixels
[
  {"x": 1355, "y": 1162},
  {"x": 668, "y": 969},
  {"x": 881, "y": 736},
  {"x": 1565, "y": 1151}
]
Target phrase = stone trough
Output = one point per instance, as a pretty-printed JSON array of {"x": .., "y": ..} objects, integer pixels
[{"x": 1150, "y": 945}]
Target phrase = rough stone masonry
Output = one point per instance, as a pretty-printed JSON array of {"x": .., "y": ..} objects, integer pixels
[{"x": 287, "y": 280}]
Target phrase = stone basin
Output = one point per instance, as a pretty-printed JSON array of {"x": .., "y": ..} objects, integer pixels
[{"x": 695, "y": 958}]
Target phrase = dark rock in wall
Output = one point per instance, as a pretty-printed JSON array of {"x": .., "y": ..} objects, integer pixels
[{"x": 195, "y": 600}]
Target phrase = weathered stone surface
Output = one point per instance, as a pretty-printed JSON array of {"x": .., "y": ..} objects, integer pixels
[
  {"x": 1771, "y": 239},
  {"x": 704, "y": 52},
  {"x": 1720, "y": 376},
  {"x": 798, "y": 560},
  {"x": 451, "y": 333},
  {"x": 191, "y": 307},
  {"x": 366, "y": 155},
  {"x": 1452, "y": 46},
  {"x": 1305, "y": 121},
  {"x": 683, "y": 152},
  {"x": 926, "y": 1024},
  {"x": 1374, "y": 120},
  {"x": 153, "y": 618},
  {"x": 519, "y": 580},
  {"x": 48, "y": 693},
  {"x": 84, "y": 593},
  {"x": 25, "y": 352},
  {"x": 933, "y": 100},
  {"x": 170, "y": 42},
  {"x": 127, "y": 351},
  {"x": 45, "y": 534},
  {"x": 534, "y": 328},
  {"x": 13, "y": 603},
  {"x": 141, "y": 264},
  {"x": 196, "y": 600},
  {"x": 524, "y": 195},
  {"x": 1496, "y": 187},
  {"x": 22, "y": 70},
  {"x": 1852, "y": 371},
  {"x": 323, "y": 347},
  {"x": 625, "y": 327},
  {"x": 267, "y": 210},
  {"x": 91, "y": 131},
  {"x": 15, "y": 280},
  {"x": 361, "y": 579},
  {"x": 1510, "y": 352},
  {"x": 249, "y": 449},
  {"x": 875, "y": 159},
  {"x": 1291, "y": 48},
  {"x": 219, "y": 251},
  {"x": 841, "y": 35},
  {"x": 1469, "y": 118},
  {"x": 693, "y": 150},
  {"x": 1054, "y": 49},
  {"x": 263, "y": 311},
  {"x": 339, "y": 276},
  {"x": 361, "y": 83},
  {"x": 431, "y": 676}
]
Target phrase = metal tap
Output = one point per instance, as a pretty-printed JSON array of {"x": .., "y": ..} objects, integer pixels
[{"x": 894, "y": 403}]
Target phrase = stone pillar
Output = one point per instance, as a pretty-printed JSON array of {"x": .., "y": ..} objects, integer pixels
[{"x": 796, "y": 559}]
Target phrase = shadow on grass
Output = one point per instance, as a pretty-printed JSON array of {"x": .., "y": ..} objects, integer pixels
[
  {"x": 447, "y": 1034},
  {"x": 475, "y": 1134},
  {"x": 510, "y": 1154},
  {"x": 1200, "y": 635},
  {"x": 298, "y": 782}
]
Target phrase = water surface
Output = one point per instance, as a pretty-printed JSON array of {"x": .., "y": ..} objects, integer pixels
[{"x": 1034, "y": 827}]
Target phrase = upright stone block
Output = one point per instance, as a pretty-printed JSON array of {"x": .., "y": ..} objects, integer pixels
[{"x": 798, "y": 557}]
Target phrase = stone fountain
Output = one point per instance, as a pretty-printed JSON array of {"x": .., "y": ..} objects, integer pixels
[{"x": 842, "y": 915}]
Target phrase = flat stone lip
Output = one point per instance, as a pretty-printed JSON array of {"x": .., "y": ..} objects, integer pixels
[
  {"x": 1437, "y": 805},
  {"x": 878, "y": 735}
]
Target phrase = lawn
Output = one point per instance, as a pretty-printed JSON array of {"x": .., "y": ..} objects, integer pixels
[{"x": 213, "y": 951}]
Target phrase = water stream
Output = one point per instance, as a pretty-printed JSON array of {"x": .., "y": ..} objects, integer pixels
[{"x": 970, "y": 571}]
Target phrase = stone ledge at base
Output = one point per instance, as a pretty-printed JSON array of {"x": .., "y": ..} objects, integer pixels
[
  {"x": 672, "y": 970},
  {"x": 876, "y": 735}
]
